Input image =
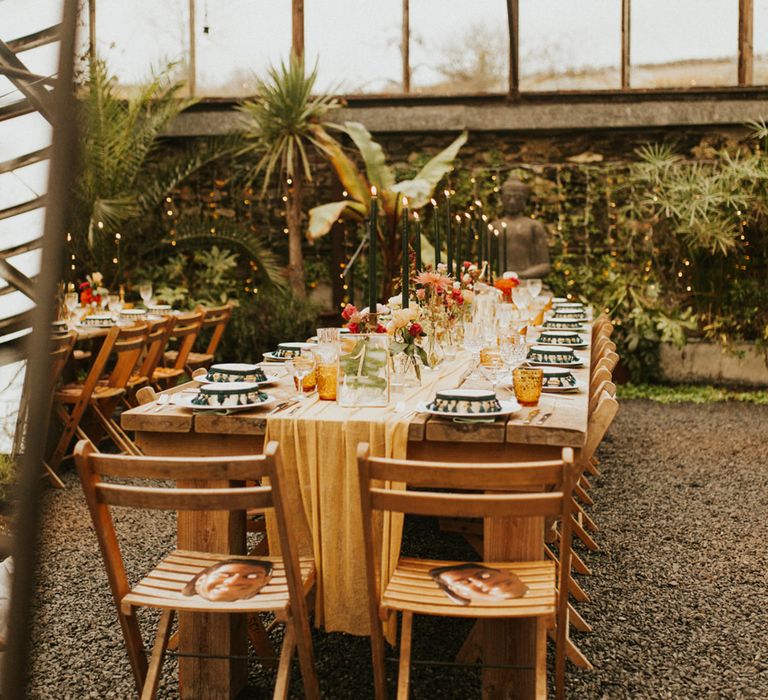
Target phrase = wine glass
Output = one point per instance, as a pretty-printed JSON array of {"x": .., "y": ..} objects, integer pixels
[
  {"x": 103, "y": 299},
  {"x": 301, "y": 366},
  {"x": 145, "y": 290},
  {"x": 474, "y": 341},
  {"x": 114, "y": 303},
  {"x": 521, "y": 297},
  {"x": 70, "y": 300},
  {"x": 493, "y": 368},
  {"x": 513, "y": 350},
  {"x": 534, "y": 287}
]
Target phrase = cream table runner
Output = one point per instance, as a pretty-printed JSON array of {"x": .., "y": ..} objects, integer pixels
[{"x": 318, "y": 444}]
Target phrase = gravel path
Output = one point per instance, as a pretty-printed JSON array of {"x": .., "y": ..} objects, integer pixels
[{"x": 679, "y": 588}]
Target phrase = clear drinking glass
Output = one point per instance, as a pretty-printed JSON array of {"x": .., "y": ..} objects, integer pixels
[
  {"x": 493, "y": 369},
  {"x": 145, "y": 290},
  {"x": 301, "y": 366},
  {"x": 474, "y": 341},
  {"x": 521, "y": 297},
  {"x": 71, "y": 300},
  {"x": 533, "y": 287},
  {"x": 114, "y": 303},
  {"x": 513, "y": 350}
]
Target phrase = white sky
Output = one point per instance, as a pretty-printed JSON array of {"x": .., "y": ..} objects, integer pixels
[{"x": 358, "y": 40}]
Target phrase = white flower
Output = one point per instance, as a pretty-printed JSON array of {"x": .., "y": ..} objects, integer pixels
[{"x": 97, "y": 278}]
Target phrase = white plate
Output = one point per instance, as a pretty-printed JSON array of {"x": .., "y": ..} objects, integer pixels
[
  {"x": 577, "y": 389},
  {"x": 271, "y": 357},
  {"x": 272, "y": 377},
  {"x": 577, "y": 363},
  {"x": 185, "y": 401},
  {"x": 507, "y": 408}
]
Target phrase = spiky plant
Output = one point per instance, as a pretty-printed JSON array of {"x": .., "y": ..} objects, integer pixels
[
  {"x": 123, "y": 175},
  {"x": 281, "y": 125}
]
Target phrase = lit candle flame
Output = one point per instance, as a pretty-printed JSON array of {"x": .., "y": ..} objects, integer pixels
[
  {"x": 373, "y": 190},
  {"x": 416, "y": 215},
  {"x": 447, "y": 193},
  {"x": 405, "y": 201},
  {"x": 466, "y": 213},
  {"x": 434, "y": 203},
  {"x": 458, "y": 218}
]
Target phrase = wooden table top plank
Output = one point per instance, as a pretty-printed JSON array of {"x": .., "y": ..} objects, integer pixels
[{"x": 565, "y": 427}]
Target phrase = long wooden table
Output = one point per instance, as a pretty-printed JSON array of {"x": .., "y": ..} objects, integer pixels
[{"x": 177, "y": 431}]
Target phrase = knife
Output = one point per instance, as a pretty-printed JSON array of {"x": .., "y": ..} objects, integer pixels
[
  {"x": 543, "y": 418},
  {"x": 535, "y": 412}
]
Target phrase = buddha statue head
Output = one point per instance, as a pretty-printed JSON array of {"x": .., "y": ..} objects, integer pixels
[{"x": 514, "y": 196}]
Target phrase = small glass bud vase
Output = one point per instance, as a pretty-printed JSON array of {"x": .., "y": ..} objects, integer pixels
[{"x": 363, "y": 378}]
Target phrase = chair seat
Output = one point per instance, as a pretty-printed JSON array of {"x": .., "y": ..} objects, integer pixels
[
  {"x": 136, "y": 381},
  {"x": 194, "y": 358},
  {"x": 411, "y": 588},
  {"x": 162, "y": 588},
  {"x": 166, "y": 373},
  {"x": 70, "y": 393}
]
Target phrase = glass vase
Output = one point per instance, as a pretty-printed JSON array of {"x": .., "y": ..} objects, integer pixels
[{"x": 363, "y": 378}]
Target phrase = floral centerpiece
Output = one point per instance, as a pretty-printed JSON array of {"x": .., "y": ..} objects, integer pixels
[
  {"x": 444, "y": 303},
  {"x": 363, "y": 378},
  {"x": 405, "y": 330},
  {"x": 91, "y": 291},
  {"x": 506, "y": 284}
]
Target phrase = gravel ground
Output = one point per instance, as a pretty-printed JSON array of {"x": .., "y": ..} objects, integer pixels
[{"x": 679, "y": 587}]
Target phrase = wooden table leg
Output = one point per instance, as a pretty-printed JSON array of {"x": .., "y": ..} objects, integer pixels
[
  {"x": 511, "y": 642},
  {"x": 201, "y": 678}
]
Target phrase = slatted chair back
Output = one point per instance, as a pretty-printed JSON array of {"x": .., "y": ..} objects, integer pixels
[
  {"x": 595, "y": 395},
  {"x": 71, "y": 419},
  {"x": 602, "y": 326},
  {"x": 129, "y": 346},
  {"x": 215, "y": 319},
  {"x": 185, "y": 332},
  {"x": 599, "y": 375},
  {"x": 159, "y": 333},
  {"x": 61, "y": 350},
  {"x": 544, "y": 489},
  {"x": 608, "y": 363},
  {"x": 97, "y": 472},
  {"x": 605, "y": 411}
]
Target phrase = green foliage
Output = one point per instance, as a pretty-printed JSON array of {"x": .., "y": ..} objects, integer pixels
[
  {"x": 278, "y": 123},
  {"x": 263, "y": 320},
  {"x": 7, "y": 478},
  {"x": 689, "y": 393},
  {"x": 123, "y": 175}
]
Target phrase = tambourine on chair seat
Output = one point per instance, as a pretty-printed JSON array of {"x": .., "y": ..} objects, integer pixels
[{"x": 71, "y": 393}]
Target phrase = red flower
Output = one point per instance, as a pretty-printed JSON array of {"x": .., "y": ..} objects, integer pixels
[
  {"x": 348, "y": 312},
  {"x": 415, "y": 330},
  {"x": 381, "y": 329},
  {"x": 353, "y": 328}
]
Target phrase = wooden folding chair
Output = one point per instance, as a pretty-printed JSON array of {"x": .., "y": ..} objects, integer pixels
[
  {"x": 411, "y": 589},
  {"x": 215, "y": 320},
  {"x": 106, "y": 393},
  {"x": 157, "y": 340},
  {"x": 70, "y": 405},
  {"x": 61, "y": 350},
  {"x": 185, "y": 333},
  {"x": 169, "y": 587}
]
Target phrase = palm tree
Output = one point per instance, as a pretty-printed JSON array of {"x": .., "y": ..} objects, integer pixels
[
  {"x": 123, "y": 173},
  {"x": 281, "y": 124}
]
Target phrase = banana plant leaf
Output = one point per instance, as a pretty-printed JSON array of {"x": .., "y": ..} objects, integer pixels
[
  {"x": 419, "y": 190},
  {"x": 379, "y": 173},
  {"x": 350, "y": 176},
  {"x": 321, "y": 218}
]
